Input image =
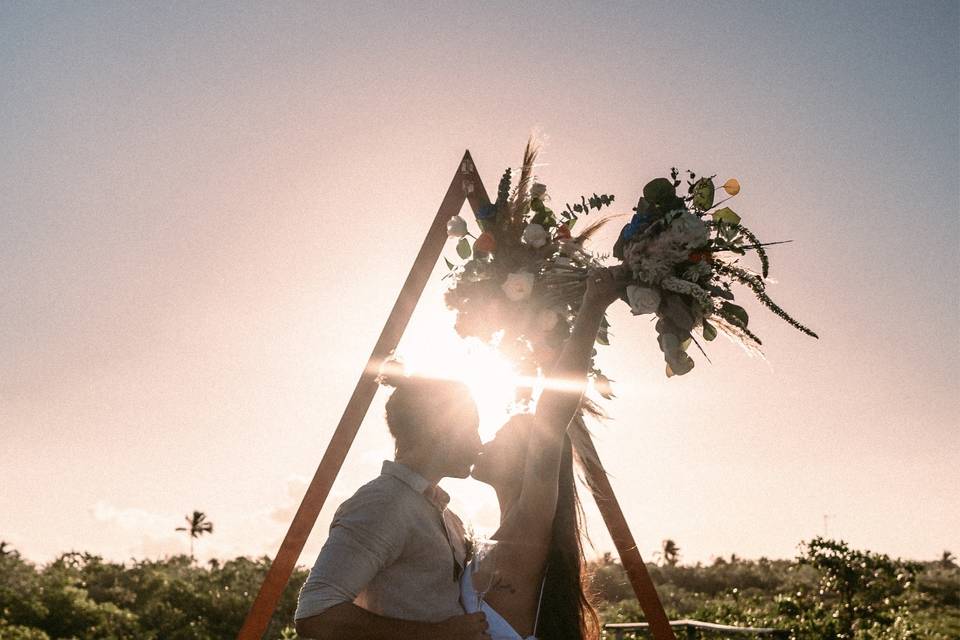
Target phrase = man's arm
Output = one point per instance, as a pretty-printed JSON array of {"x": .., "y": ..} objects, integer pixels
[
  {"x": 366, "y": 536},
  {"x": 347, "y": 620}
]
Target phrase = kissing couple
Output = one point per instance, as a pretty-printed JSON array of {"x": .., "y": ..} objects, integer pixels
[{"x": 395, "y": 564}]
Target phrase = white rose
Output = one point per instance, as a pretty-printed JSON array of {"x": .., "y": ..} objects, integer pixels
[
  {"x": 643, "y": 299},
  {"x": 547, "y": 319},
  {"x": 538, "y": 190},
  {"x": 456, "y": 227},
  {"x": 535, "y": 235},
  {"x": 518, "y": 286}
]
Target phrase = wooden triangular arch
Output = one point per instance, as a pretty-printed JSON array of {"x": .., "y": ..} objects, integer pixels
[{"x": 465, "y": 186}]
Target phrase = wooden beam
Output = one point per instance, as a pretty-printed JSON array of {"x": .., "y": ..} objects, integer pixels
[
  {"x": 616, "y": 523},
  {"x": 466, "y": 185}
]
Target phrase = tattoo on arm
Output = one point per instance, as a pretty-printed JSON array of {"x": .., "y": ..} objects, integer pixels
[{"x": 499, "y": 584}]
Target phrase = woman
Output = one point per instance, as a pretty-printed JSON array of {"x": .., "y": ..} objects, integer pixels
[{"x": 529, "y": 583}]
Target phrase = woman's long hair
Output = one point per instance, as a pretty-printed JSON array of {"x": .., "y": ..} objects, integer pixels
[{"x": 565, "y": 609}]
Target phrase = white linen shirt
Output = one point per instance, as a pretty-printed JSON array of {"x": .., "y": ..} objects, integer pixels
[{"x": 393, "y": 549}]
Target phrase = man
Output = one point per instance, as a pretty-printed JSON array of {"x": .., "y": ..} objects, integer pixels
[{"x": 390, "y": 567}]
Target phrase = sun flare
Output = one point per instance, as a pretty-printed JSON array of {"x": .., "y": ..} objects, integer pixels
[{"x": 486, "y": 372}]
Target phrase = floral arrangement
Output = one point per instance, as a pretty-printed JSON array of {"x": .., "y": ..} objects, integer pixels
[
  {"x": 523, "y": 276},
  {"x": 684, "y": 266},
  {"x": 502, "y": 293}
]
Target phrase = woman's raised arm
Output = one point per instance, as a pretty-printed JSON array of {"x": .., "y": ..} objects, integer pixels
[{"x": 561, "y": 398}]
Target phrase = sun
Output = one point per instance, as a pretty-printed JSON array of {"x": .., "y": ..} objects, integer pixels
[{"x": 432, "y": 348}]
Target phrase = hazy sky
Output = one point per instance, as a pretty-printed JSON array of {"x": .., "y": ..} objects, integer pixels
[{"x": 206, "y": 211}]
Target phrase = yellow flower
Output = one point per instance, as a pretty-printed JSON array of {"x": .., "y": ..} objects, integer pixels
[{"x": 732, "y": 187}]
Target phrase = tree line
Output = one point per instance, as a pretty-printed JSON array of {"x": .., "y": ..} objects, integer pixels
[{"x": 829, "y": 591}]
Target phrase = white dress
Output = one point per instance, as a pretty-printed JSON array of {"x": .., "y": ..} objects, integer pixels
[{"x": 472, "y": 602}]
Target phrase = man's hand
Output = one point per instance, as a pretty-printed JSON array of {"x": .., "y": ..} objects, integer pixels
[
  {"x": 605, "y": 285},
  {"x": 470, "y": 626}
]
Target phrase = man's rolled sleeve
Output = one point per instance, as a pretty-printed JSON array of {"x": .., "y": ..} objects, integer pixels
[{"x": 366, "y": 535}]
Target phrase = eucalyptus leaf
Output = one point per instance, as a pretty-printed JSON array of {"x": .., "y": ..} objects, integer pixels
[
  {"x": 735, "y": 311},
  {"x": 449, "y": 264},
  {"x": 603, "y": 337},
  {"x": 703, "y": 192},
  {"x": 463, "y": 248},
  {"x": 709, "y": 331},
  {"x": 726, "y": 215}
]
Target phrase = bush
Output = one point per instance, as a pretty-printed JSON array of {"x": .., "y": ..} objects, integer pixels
[
  {"x": 81, "y": 596},
  {"x": 830, "y": 592}
]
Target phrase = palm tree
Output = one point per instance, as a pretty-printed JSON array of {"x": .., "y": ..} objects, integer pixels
[
  {"x": 671, "y": 552},
  {"x": 197, "y": 525}
]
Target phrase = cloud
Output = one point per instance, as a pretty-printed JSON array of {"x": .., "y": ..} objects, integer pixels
[
  {"x": 137, "y": 532},
  {"x": 296, "y": 487},
  {"x": 131, "y": 518}
]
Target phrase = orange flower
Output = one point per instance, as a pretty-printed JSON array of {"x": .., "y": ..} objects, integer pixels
[
  {"x": 563, "y": 232},
  {"x": 486, "y": 243},
  {"x": 697, "y": 256}
]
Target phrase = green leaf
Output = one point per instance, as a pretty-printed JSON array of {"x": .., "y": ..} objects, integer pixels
[
  {"x": 678, "y": 310},
  {"x": 449, "y": 264},
  {"x": 709, "y": 331},
  {"x": 603, "y": 335},
  {"x": 659, "y": 190},
  {"x": 463, "y": 248},
  {"x": 703, "y": 192},
  {"x": 735, "y": 311},
  {"x": 602, "y": 385},
  {"x": 544, "y": 217},
  {"x": 726, "y": 215}
]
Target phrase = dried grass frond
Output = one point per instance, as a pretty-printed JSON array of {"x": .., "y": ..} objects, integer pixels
[{"x": 520, "y": 202}]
